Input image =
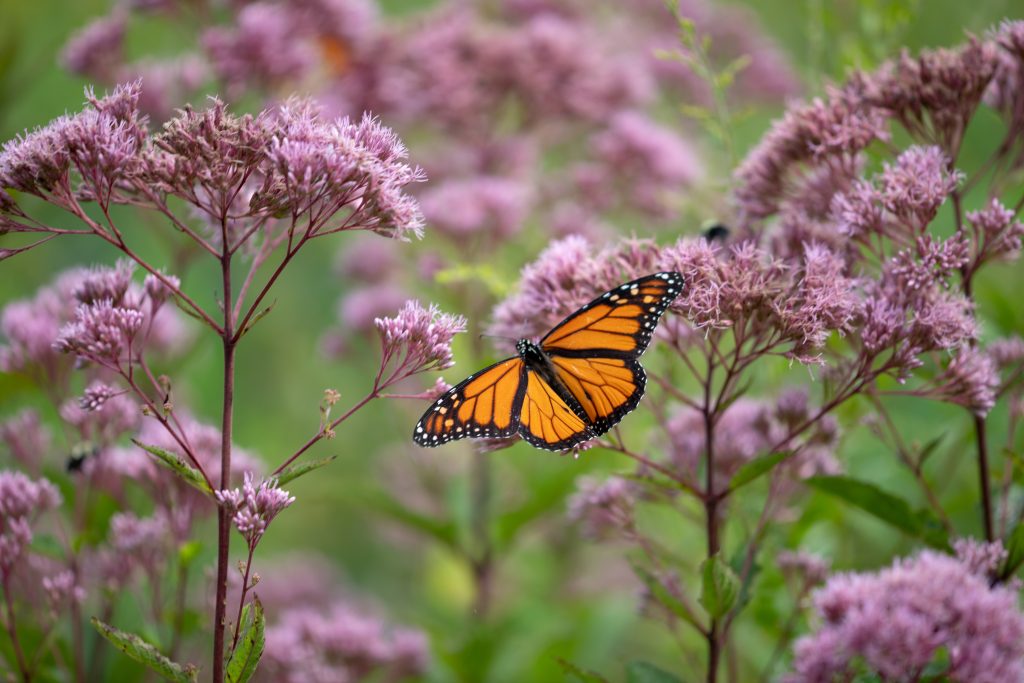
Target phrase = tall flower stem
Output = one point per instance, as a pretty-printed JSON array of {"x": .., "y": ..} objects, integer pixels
[
  {"x": 980, "y": 438},
  {"x": 223, "y": 518},
  {"x": 12, "y": 631},
  {"x": 483, "y": 560},
  {"x": 711, "y": 510},
  {"x": 241, "y": 599},
  {"x": 986, "y": 493}
]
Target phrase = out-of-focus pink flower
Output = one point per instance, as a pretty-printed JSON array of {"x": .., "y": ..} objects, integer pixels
[
  {"x": 971, "y": 379},
  {"x": 111, "y": 468},
  {"x": 102, "y": 333},
  {"x": 367, "y": 259},
  {"x": 554, "y": 67},
  {"x": 979, "y": 557},
  {"x": 358, "y": 312},
  {"x": 1007, "y": 351},
  {"x": 27, "y": 439},
  {"x": 339, "y": 643},
  {"x": 359, "y": 309},
  {"x": 167, "y": 82},
  {"x": 110, "y": 418},
  {"x": 604, "y": 508},
  {"x": 895, "y": 621},
  {"x": 97, "y": 50},
  {"x": 484, "y": 205},
  {"x": 21, "y": 501},
  {"x": 263, "y": 47},
  {"x": 997, "y": 232},
  {"x": 747, "y": 429},
  {"x": 62, "y": 590},
  {"x": 253, "y": 506},
  {"x": 642, "y": 163},
  {"x": 810, "y": 569},
  {"x": 31, "y": 326},
  {"x": 1004, "y": 92}
]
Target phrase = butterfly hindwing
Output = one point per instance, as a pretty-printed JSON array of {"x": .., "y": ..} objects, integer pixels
[
  {"x": 618, "y": 323},
  {"x": 547, "y": 420},
  {"x": 485, "y": 405},
  {"x": 606, "y": 388}
]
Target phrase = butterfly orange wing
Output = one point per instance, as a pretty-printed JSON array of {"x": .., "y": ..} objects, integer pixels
[
  {"x": 595, "y": 351},
  {"x": 547, "y": 421},
  {"x": 485, "y": 405}
]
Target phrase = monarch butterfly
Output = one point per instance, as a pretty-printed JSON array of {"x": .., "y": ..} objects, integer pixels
[{"x": 580, "y": 380}]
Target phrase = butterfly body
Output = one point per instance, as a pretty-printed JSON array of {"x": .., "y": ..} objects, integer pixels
[{"x": 578, "y": 382}]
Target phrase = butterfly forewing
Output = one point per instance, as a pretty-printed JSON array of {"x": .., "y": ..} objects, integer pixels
[
  {"x": 595, "y": 351},
  {"x": 486, "y": 404},
  {"x": 618, "y": 323}
]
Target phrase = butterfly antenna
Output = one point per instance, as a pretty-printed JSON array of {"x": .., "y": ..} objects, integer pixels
[{"x": 497, "y": 336}]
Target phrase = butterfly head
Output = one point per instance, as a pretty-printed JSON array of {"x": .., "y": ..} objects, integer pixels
[{"x": 527, "y": 349}]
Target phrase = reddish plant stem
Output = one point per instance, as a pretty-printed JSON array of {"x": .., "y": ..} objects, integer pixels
[
  {"x": 178, "y": 627},
  {"x": 266, "y": 288},
  {"x": 980, "y": 437},
  {"x": 241, "y": 599},
  {"x": 323, "y": 430},
  {"x": 12, "y": 631},
  {"x": 711, "y": 510},
  {"x": 223, "y": 518},
  {"x": 482, "y": 560},
  {"x": 986, "y": 492}
]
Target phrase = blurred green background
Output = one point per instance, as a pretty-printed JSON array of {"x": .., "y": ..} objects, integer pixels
[{"x": 282, "y": 374}]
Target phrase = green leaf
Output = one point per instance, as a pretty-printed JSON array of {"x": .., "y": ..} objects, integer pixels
[
  {"x": 256, "y": 318},
  {"x": 295, "y": 471},
  {"x": 664, "y": 596},
  {"x": 544, "y": 498},
  {"x": 440, "y": 530},
  {"x": 47, "y": 544},
  {"x": 755, "y": 468},
  {"x": 186, "y": 309},
  {"x": 1014, "y": 552},
  {"x": 190, "y": 474},
  {"x": 929, "y": 448},
  {"x": 144, "y": 653},
  {"x": 645, "y": 672},
  {"x": 188, "y": 552},
  {"x": 246, "y": 655},
  {"x": 719, "y": 586},
  {"x": 579, "y": 674},
  {"x": 868, "y": 497},
  {"x": 938, "y": 668}
]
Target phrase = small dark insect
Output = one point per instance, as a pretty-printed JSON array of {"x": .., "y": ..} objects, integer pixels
[
  {"x": 715, "y": 232},
  {"x": 580, "y": 380},
  {"x": 79, "y": 453}
]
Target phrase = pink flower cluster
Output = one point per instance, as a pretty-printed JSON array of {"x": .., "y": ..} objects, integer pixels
[
  {"x": 338, "y": 643},
  {"x": 604, "y": 508},
  {"x": 253, "y": 507},
  {"x": 894, "y": 622},
  {"x": 416, "y": 340},
  {"x": 240, "y": 170}
]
